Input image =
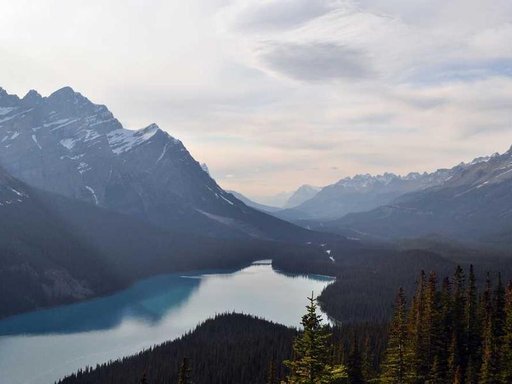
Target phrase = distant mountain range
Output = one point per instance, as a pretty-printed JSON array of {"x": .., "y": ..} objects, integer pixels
[
  {"x": 365, "y": 192},
  {"x": 470, "y": 202},
  {"x": 303, "y": 193}
]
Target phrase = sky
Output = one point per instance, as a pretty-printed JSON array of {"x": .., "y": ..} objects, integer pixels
[{"x": 272, "y": 94}]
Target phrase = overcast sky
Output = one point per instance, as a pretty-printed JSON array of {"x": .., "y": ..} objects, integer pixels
[{"x": 272, "y": 94}]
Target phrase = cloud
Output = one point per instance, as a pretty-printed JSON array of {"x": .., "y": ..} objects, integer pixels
[
  {"x": 315, "y": 61},
  {"x": 278, "y": 93},
  {"x": 275, "y": 15}
]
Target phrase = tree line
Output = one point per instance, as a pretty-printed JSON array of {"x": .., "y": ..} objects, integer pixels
[{"x": 451, "y": 332}]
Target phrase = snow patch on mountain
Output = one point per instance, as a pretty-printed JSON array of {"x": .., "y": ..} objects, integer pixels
[
  {"x": 68, "y": 143},
  {"x": 123, "y": 140}
]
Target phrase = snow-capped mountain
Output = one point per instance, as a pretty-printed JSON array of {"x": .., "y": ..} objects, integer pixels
[
  {"x": 365, "y": 192},
  {"x": 68, "y": 145},
  {"x": 474, "y": 204}
]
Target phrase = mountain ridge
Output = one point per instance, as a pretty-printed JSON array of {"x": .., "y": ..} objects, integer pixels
[
  {"x": 65, "y": 144},
  {"x": 473, "y": 205},
  {"x": 363, "y": 192}
]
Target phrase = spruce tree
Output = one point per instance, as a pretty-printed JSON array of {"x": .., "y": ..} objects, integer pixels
[
  {"x": 432, "y": 327},
  {"x": 473, "y": 342},
  {"x": 184, "y": 374},
  {"x": 489, "y": 369},
  {"x": 458, "y": 340},
  {"x": 394, "y": 368},
  {"x": 311, "y": 351},
  {"x": 446, "y": 326},
  {"x": 506, "y": 365},
  {"x": 367, "y": 355},
  {"x": 271, "y": 374},
  {"x": 499, "y": 313}
]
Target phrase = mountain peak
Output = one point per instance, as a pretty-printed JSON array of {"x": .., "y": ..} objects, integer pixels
[
  {"x": 67, "y": 95},
  {"x": 64, "y": 91},
  {"x": 7, "y": 100},
  {"x": 151, "y": 127},
  {"x": 303, "y": 193},
  {"x": 32, "y": 97}
]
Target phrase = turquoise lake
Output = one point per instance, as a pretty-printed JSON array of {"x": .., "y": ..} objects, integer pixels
[{"x": 43, "y": 346}]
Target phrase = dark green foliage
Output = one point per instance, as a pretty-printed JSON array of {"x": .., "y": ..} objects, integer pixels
[
  {"x": 311, "y": 351},
  {"x": 184, "y": 373},
  {"x": 271, "y": 374},
  {"x": 355, "y": 365},
  {"x": 394, "y": 368},
  {"x": 231, "y": 348},
  {"x": 450, "y": 336},
  {"x": 506, "y": 364}
]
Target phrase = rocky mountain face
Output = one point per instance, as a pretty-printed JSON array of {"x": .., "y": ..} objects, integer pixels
[
  {"x": 365, "y": 192},
  {"x": 473, "y": 204},
  {"x": 66, "y": 144}
]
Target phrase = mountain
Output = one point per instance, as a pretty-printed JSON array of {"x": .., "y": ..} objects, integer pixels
[
  {"x": 365, "y": 192},
  {"x": 253, "y": 204},
  {"x": 474, "y": 204},
  {"x": 67, "y": 145},
  {"x": 56, "y": 250},
  {"x": 302, "y": 194}
]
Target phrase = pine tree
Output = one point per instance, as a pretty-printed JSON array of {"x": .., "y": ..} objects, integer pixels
[
  {"x": 432, "y": 326},
  {"x": 394, "y": 368},
  {"x": 458, "y": 344},
  {"x": 489, "y": 368},
  {"x": 271, "y": 375},
  {"x": 367, "y": 355},
  {"x": 311, "y": 351},
  {"x": 416, "y": 343},
  {"x": 143, "y": 380},
  {"x": 499, "y": 316},
  {"x": 446, "y": 327},
  {"x": 184, "y": 374},
  {"x": 507, "y": 338},
  {"x": 472, "y": 330}
]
